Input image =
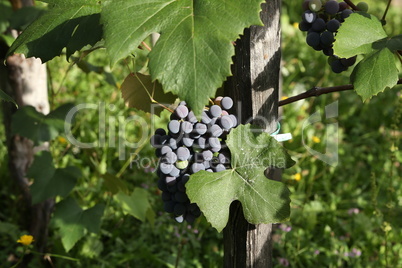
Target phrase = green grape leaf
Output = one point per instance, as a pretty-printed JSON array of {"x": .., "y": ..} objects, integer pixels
[
  {"x": 38, "y": 127},
  {"x": 263, "y": 200},
  {"x": 136, "y": 204},
  {"x": 192, "y": 57},
  {"x": 114, "y": 184},
  {"x": 49, "y": 181},
  {"x": 5, "y": 97},
  {"x": 74, "y": 222},
  {"x": 357, "y": 35},
  {"x": 375, "y": 73},
  {"x": 68, "y": 23},
  {"x": 139, "y": 92}
]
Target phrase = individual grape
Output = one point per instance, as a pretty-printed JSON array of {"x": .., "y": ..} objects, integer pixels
[
  {"x": 313, "y": 39},
  {"x": 197, "y": 167},
  {"x": 333, "y": 25},
  {"x": 234, "y": 120},
  {"x": 169, "y": 206},
  {"x": 179, "y": 209},
  {"x": 172, "y": 188},
  {"x": 215, "y": 110},
  {"x": 174, "y": 126},
  {"x": 223, "y": 159},
  {"x": 165, "y": 168},
  {"x": 309, "y": 16},
  {"x": 304, "y": 26},
  {"x": 346, "y": 13},
  {"x": 181, "y": 197},
  {"x": 328, "y": 51},
  {"x": 318, "y": 25},
  {"x": 327, "y": 38},
  {"x": 337, "y": 66},
  {"x": 155, "y": 140},
  {"x": 215, "y": 130},
  {"x": 219, "y": 167},
  {"x": 226, "y": 122},
  {"x": 162, "y": 185},
  {"x": 200, "y": 128},
  {"x": 315, "y": 5},
  {"x": 205, "y": 118},
  {"x": 186, "y": 127},
  {"x": 331, "y": 7},
  {"x": 201, "y": 142},
  {"x": 226, "y": 103},
  {"x": 165, "y": 149},
  {"x": 170, "y": 158},
  {"x": 362, "y": 6},
  {"x": 166, "y": 196},
  {"x": 215, "y": 144},
  {"x": 343, "y": 6},
  {"x": 174, "y": 172},
  {"x": 160, "y": 131},
  {"x": 173, "y": 143},
  {"x": 179, "y": 219},
  {"x": 181, "y": 111},
  {"x": 182, "y": 164},
  {"x": 191, "y": 117},
  {"x": 183, "y": 153},
  {"x": 207, "y": 155},
  {"x": 187, "y": 141},
  {"x": 349, "y": 61},
  {"x": 190, "y": 218},
  {"x": 170, "y": 180}
]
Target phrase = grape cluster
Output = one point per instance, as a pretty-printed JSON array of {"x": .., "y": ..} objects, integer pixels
[
  {"x": 191, "y": 145},
  {"x": 321, "y": 20}
]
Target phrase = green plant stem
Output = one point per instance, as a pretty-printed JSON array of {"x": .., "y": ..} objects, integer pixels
[
  {"x": 317, "y": 91},
  {"x": 353, "y": 6},
  {"x": 386, "y": 10}
]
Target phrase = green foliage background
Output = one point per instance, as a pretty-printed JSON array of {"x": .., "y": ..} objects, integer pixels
[{"x": 336, "y": 212}]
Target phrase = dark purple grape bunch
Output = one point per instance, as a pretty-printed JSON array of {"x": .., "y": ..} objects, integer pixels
[
  {"x": 321, "y": 20},
  {"x": 191, "y": 145}
]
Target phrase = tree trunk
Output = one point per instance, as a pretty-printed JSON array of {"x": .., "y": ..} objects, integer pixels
[
  {"x": 26, "y": 81},
  {"x": 254, "y": 86}
]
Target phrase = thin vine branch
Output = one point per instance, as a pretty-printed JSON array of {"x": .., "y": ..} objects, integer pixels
[
  {"x": 386, "y": 10},
  {"x": 317, "y": 91},
  {"x": 353, "y": 6}
]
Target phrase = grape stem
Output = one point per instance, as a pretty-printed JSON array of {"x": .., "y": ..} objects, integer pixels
[
  {"x": 317, "y": 91},
  {"x": 353, "y": 6},
  {"x": 386, "y": 10}
]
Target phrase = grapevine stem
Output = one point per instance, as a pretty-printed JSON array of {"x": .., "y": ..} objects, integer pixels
[
  {"x": 353, "y": 6},
  {"x": 386, "y": 10},
  {"x": 398, "y": 54},
  {"x": 146, "y": 46},
  {"x": 317, "y": 91}
]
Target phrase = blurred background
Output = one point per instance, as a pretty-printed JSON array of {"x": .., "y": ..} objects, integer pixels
[{"x": 346, "y": 215}]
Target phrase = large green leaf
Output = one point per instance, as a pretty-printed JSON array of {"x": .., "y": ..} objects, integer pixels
[
  {"x": 136, "y": 204},
  {"x": 193, "y": 54},
  {"x": 375, "y": 73},
  {"x": 357, "y": 35},
  {"x": 38, "y": 127},
  {"x": 263, "y": 200},
  {"x": 49, "y": 181},
  {"x": 75, "y": 222},
  {"x": 139, "y": 92},
  {"x": 68, "y": 23}
]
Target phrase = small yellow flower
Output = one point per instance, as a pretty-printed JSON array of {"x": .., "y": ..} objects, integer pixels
[
  {"x": 26, "y": 240},
  {"x": 296, "y": 25},
  {"x": 297, "y": 177},
  {"x": 316, "y": 139},
  {"x": 284, "y": 98},
  {"x": 62, "y": 140}
]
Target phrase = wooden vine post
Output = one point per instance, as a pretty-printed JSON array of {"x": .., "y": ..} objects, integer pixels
[{"x": 254, "y": 86}]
